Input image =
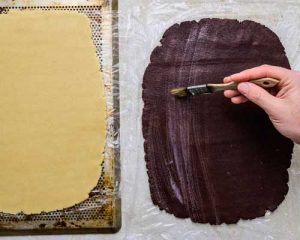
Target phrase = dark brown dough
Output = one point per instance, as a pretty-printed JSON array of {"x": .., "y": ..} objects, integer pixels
[{"x": 208, "y": 159}]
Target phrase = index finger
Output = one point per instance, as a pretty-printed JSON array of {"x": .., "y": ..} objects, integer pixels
[{"x": 259, "y": 72}]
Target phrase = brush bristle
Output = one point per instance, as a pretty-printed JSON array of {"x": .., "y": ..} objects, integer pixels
[{"x": 180, "y": 92}]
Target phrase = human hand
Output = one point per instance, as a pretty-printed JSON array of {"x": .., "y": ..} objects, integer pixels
[{"x": 281, "y": 104}]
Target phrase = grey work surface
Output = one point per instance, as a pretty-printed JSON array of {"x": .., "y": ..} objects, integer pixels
[{"x": 141, "y": 26}]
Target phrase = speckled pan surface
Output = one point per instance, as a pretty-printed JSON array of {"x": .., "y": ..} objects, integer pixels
[{"x": 208, "y": 159}]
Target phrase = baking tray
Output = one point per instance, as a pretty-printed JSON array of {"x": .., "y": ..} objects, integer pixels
[{"x": 101, "y": 211}]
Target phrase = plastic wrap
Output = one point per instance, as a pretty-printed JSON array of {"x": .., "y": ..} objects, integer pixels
[{"x": 142, "y": 24}]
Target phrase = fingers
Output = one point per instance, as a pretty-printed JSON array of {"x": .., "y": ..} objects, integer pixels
[
  {"x": 239, "y": 99},
  {"x": 231, "y": 93},
  {"x": 253, "y": 92},
  {"x": 235, "y": 96},
  {"x": 259, "y": 72},
  {"x": 258, "y": 96}
]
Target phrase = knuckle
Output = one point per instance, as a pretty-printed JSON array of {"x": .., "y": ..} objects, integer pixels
[
  {"x": 265, "y": 66},
  {"x": 266, "y": 69},
  {"x": 246, "y": 74}
]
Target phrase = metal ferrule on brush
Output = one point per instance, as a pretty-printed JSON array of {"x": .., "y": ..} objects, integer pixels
[{"x": 199, "y": 89}]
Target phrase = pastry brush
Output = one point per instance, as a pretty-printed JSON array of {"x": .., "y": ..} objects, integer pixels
[{"x": 215, "y": 87}]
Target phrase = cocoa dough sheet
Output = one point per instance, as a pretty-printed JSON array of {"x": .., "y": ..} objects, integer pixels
[{"x": 208, "y": 159}]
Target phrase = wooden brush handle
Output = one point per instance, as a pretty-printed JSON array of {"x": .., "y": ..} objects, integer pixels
[{"x": 262, "y": 82}]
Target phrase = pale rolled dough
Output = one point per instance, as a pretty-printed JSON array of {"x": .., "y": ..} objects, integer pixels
[{"x": 52, "y": 111}]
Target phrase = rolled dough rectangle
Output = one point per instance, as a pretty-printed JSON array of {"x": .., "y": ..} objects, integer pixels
[{"x": 52, "y": 111}]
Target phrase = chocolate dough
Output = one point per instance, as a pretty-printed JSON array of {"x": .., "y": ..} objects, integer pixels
[{"x": 208, "y": 159}]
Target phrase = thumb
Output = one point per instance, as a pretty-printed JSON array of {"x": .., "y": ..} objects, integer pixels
[{"x": 258, "y": 95}]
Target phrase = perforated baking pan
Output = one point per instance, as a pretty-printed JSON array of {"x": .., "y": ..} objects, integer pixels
[{"x": 101, "y": 211}]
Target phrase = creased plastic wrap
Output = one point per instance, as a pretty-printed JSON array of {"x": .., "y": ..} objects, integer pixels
[{"x": 142, "y": 24}]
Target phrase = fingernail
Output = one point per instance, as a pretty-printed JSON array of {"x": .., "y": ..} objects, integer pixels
[{"x": 243, "y": 88}]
